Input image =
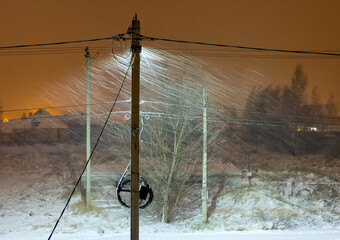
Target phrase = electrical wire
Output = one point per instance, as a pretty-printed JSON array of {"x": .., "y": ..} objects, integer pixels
[
  {"x": 93, "y": 149},
  {"x": 280, "y": 200},
  {"x": 187, "y": 115},
  {"x": 216, "y": 119},
  {"x": 58, "y": 48},
  {"x": 65, "y": 117},
  {"x": 234, "y": 50},
  {"x": 116, "y": 37},
  {"x": 254, "y": 56},
  {"x": 238, "y": 47},
  {"x": 50, "y": 52},
  {"x": 241, "y": 110},
  {"x": 65, "y": 106}
]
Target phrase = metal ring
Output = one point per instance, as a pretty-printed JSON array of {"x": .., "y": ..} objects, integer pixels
[{"x": 145, "y": 192}]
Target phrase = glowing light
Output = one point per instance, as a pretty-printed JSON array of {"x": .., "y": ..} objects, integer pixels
[
  {"x": 159, "y": 115},
  {"x": 5, "y": 120},
  {"x": 299, "y": 129}
]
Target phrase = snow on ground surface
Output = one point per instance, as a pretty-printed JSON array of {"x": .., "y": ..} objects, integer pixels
[
  {"x": 288, "y": 206},
  {"x": 249, "y": 235}
]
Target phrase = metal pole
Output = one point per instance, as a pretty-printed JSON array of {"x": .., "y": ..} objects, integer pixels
[
  {"x": 135, "y": 98},
  {"x": 248, "y": 159},
  {"x": 205, "y": 161},
  {"x": 293, "y": 142},
  {"x": 249, "y": 173},
  {"x": 88, "y": 129}
]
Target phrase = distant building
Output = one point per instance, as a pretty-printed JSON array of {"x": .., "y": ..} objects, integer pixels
[
  {"x": 319, "y": 120},
  {"x": 39, "y": 127}
]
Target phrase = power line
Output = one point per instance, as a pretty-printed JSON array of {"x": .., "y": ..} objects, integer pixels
[
  {"x": 52, "y": 49},
  {"x": 237, "y": 121},
  {"x": 273, "y": 123},
  {"x": 65, "y": 106},
  {"x": 49, "y": 52},
  {"x": 240, "y": 47},
  {"x": 284, "y": 201},
  {"x": 122, "y": 37},
  {"x": 217, "y": 119},
  {"x": 235, "y": 50},
  {"x": 94, "y": 148},
  {"x": 196, "y": 54},
  {"x": 232, "y": 53},
  {"x": 268, "y": 56},
  {"x": 190, "y": 115},
  {"x": 116, "y": 37},
  {"x": 65, "y": 117},
  {"x": 237, "y": 53},
  {"x": 292, "y": 204},
  {"x": 241, "y": 110}
]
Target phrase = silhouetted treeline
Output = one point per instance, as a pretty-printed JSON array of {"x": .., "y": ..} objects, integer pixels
[{"x": 284, "y": 120}]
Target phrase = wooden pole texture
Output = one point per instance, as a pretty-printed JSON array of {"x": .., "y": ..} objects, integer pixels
[
  {"x": 88, "y": 129},
  {"x": 205, "y": 161},
  {"x": 135, "y": 98}
]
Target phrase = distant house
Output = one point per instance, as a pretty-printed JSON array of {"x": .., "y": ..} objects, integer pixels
[
  {"x": 39, "y": 127},
  {"x": 317, "y": 119}
]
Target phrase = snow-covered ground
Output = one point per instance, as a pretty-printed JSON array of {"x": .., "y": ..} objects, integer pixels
[
  {"x": 250, "y": 235},
  {"x": 291, "y": 206}
]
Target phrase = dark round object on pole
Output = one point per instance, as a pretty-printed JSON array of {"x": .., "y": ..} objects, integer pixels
[{"x": 124, "y": 190}]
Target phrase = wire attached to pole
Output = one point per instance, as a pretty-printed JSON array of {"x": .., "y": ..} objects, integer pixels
[
  {"x": 240, "y": 47},
  {"x": 88, "y": 160},
  {"x": 117, "y": 37}
]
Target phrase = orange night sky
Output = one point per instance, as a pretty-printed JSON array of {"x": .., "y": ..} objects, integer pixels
[{"x": 282, "y": 24}]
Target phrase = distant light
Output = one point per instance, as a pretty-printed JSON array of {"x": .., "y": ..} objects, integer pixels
[
  {"x": 159, "y": 115},
  {"x": 314, "y": 129},
  {"x": 299, "y": 129},
  {"x": 5, "y": 120}
]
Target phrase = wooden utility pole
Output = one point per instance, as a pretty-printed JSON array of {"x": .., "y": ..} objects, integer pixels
[
  {"x": 135, "y": 98},
  {"x": 88, "y": 129},
  {"x": 205, "y": 161}
]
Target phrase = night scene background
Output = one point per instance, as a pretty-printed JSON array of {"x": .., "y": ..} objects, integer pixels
[{"x": 267, "y": 122}]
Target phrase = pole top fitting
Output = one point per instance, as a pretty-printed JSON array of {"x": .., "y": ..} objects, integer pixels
[
  {"x": 87, "y": 52},
  {"x": 135, "y": 26}
]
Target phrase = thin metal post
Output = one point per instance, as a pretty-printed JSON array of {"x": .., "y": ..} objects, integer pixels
[
  {"x": 135, "y": 98},
  {"x": 248, "y": 160},
  {"x": 205, "y": 161},
  {"x": 249, "y": 173},
  {"x": 88, "y": 129}
]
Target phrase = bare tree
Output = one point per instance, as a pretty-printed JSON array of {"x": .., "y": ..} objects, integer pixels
[
  {"x": 171, "y": 120},
  {"x": 331, "y": 107},
  {"x": 170, "y": 146},
  {"x": 315, "y": 97},
  {"x": 294, "y": 97}
]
